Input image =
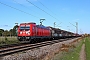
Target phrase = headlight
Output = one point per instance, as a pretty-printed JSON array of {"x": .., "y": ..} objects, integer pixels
[
  {"x": 27, "y": 37},
  {"x": 18, "y": 37}
]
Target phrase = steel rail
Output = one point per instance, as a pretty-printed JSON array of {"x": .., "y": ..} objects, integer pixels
[{"x": 11, "y": 50}]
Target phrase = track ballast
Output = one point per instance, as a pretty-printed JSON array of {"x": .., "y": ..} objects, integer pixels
[{"x": 22, "y": 47}]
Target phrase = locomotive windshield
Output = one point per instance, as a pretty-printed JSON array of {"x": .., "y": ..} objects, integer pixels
[{"x": 25, "y": 28}]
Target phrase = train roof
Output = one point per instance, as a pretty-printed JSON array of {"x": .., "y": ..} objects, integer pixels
[
  {"x": 41, "y": 26},
  {"x": 29, "y": 23},
  {"x": 60, "y": 30}
]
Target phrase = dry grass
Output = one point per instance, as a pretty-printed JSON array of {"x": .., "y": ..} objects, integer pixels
[
  {"x": 8, "y": 40},
  {"x": 70, "y": 51}
]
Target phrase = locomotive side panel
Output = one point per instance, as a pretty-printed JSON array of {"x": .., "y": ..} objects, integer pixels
[{"x": 31, "y": 31}]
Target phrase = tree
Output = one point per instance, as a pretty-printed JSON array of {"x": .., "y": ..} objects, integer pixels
[
  {"x": 1, "y": 32},
  {"x": 6, "y": 33},
  {"x": 15, "y": 30},
  {"x": 11, "y": 32}
]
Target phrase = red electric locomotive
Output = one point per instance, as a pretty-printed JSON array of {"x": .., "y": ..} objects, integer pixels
[{"x": 30, "y": 31}]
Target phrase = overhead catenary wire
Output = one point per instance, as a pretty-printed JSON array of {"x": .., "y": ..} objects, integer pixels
[
  {"x": 41, "y": 9},
  {"x": 45, "y": 7},
  {"x": 24, "y": 6},
  {"x": 18, "y": 10}
]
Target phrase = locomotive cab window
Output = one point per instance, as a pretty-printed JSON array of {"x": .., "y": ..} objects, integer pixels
[
  {"x": 22, "y": 27},
  {"x": 25, "y": 28}
]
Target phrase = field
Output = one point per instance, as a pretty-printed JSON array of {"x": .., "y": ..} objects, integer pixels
[
  {"x": 8, "y": 40},
  {"x": 87, "y": 48}
]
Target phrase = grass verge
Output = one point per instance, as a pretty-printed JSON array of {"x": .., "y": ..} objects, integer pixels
[
  {"x": 87, "y": 48},
  {"x": 72, "y": 54},
  {"x": 8, "y": 40}
]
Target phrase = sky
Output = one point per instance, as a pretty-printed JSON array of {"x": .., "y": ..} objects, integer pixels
[{"x": 65, "y": 13}]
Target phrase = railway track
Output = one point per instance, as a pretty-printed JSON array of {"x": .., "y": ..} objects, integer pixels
[
  {"x": 22, "y": 47},
  {"x": 11, "y": 45}
]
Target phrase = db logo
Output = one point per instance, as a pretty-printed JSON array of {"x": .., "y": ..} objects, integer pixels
[{"x": 28, "y": 32}]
